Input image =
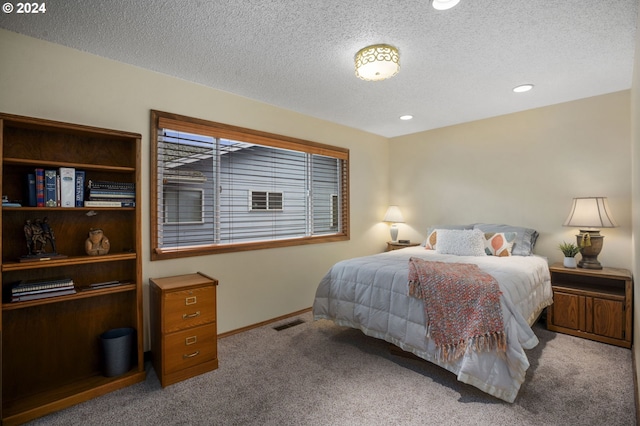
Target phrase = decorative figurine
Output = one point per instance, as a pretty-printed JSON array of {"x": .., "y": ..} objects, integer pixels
[
  {"x": 40, "y": 241},
  {"x": 97, "y": 243}
]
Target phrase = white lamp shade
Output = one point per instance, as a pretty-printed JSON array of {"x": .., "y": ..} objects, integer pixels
[
  {"x": 393, "y": 215},
  {"x": 590, "y": 212}
]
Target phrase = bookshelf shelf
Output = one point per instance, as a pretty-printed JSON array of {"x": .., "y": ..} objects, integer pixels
[
  {"x": 50, "y": 352},
  {"x": 56, "y": 164},
  {"x": 66, "y": 209},
  {"x": 81, "y": 294},
  {"x": 72, "y": 260}
]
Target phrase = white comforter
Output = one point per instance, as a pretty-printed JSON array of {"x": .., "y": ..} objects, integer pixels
[{"x": 371, "y": 294}]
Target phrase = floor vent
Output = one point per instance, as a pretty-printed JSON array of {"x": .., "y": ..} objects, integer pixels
[{"x": 288, "y": 325}]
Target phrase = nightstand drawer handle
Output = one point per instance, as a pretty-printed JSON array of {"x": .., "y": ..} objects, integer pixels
[
  {"x": 193, "y": 315},
  {"x": 191, "y": 300},
  {"x": 190, "y": 355},
  {"x": 190, "y": 340}
]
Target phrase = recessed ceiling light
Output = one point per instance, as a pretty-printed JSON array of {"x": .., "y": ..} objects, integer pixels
[
  {"x": 523, "y": 88},
  {"x": 444, "y": 4},
  {"x": 406, "y": 117}
]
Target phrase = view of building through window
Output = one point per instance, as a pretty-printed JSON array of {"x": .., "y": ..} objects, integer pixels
[{"x": 216, "y": 193}]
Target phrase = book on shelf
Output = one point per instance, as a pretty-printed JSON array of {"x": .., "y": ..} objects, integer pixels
[
  {"x": 44, "y": 290},
  {"x": 109, "y": 203},
  {"x": 42, "y": 295},
  {"x": 107, "y": 284},
  {"x": 58, "y": 189},
  {"x": 67, "y": 187},
  {"x": 41, "y": 286},
  {"x": 80, "y": 180},
  {"x": 39, "y": 173},
  {"x": 50, "y": 188},
  {"x": 108, "y": 193},
  {"x": 111, "y": 185},
  {"x": 31, "y": 190}
]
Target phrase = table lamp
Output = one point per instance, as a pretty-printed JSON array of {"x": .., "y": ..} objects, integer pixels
[
  {"x": 393, "y": 215},
  {"x": 589, "y": 214}
]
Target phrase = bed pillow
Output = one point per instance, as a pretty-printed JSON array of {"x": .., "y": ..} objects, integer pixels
[
  {"x": 467, "y": 242},
  {"x": 430, "y": 242},
  {"x": 499, "y": 243},
  {"x": 525, "y": 237}
]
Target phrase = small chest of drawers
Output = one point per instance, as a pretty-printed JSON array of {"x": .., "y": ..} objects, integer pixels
[{"x": 183, "y": 326}]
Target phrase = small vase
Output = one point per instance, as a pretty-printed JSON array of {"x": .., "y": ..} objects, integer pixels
[{"x": 570, "y": 262}]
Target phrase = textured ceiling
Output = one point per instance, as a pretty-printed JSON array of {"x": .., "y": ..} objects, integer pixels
[{"x": 456, "y": 66}]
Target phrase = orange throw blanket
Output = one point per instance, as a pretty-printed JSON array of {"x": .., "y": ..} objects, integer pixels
[{"x": 461, "y": 305}]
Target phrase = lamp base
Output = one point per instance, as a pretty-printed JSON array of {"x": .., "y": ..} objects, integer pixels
[
  {"x": 394, "y": 233},
  {"x": 589, "y": 264},
  {"x": 589, "y": 252}
]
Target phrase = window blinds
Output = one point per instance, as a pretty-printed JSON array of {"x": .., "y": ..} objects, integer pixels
[{"x": 209, "y": 183}]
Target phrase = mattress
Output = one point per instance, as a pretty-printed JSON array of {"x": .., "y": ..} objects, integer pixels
[{"x": 371, "y": 294}]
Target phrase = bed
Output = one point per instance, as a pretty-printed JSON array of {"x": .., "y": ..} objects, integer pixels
[{"x": 371, "y": 294}]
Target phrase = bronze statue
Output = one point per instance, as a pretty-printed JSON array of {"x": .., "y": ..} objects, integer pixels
[{"x": 38, "y": 235}]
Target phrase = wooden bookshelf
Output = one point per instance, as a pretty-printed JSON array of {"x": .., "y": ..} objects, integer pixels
[{"x": 50, "y": 352}]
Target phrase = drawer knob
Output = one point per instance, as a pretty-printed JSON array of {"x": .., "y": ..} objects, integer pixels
[
  {"x": 191, "y": 300},
  {"x": 193, "y": 315},
  {"x": 185, "y": 356}
]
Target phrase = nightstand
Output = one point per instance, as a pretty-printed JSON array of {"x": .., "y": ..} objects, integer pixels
[
  {"x": 183, "y": 326},
  {"x": 591, "y": 303},
  {"x": 394, "y": 245}
]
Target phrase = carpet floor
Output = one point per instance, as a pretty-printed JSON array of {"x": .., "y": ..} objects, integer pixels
[{"x": 317, "y": 373}]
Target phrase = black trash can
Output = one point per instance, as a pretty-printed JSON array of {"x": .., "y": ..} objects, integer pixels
[{"x": 117, "y": 350}]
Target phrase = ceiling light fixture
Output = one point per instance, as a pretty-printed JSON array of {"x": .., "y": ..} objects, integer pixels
[
  {"x": 377, "y": 62},
  {"x": 444, "y": 4},
  {"x": 406, "y": 117},
  {"x": 523, "y": 88}
]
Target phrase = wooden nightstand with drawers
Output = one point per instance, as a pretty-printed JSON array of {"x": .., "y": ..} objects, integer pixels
[{"x": 183, "y": 326}]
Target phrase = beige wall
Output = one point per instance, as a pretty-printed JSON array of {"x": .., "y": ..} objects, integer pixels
[
  {"x": 635, "y": 142},
  {"x": 45, "y": 80},
  {"x": 521, "y": 169}
]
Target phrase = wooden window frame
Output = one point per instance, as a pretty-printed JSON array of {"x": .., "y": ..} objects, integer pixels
[{"x": 160, "y": 120}]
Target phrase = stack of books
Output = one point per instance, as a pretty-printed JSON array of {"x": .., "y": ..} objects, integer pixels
[
  {"x": 101, "y": 193},
  {"x": 33, "y": 290}
]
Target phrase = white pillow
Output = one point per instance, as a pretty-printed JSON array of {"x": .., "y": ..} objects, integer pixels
[{"x": 461, "y": 242}]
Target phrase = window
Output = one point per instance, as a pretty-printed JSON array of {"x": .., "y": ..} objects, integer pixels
[
  {"x": 183, "y": 205},
  {"x": 266, "y": 200},
  {"x": 219, "y": 188}
]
